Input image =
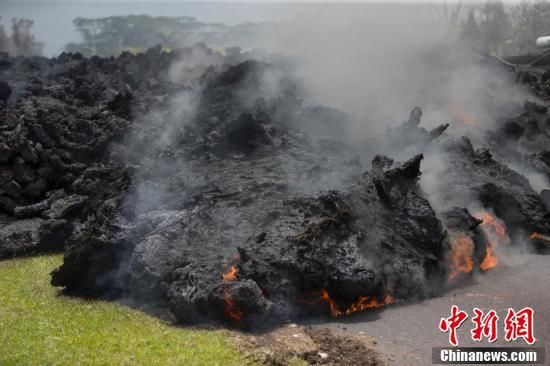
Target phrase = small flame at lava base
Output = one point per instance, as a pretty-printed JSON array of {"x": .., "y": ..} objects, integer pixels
[
  {"x": 461, "y": 257},
  {"x": 463, "y": 246},
  {"x": 361, "y": 304},
  {"x": 495, "y": 231},
  {"x": 232, "y": 311},
  {"x": 490, "y": 261}
]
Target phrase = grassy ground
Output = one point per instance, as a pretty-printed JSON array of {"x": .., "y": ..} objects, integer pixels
[{"x": 40, "y": 327}]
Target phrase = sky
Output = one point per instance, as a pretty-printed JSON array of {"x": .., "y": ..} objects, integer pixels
[
  {"x": 269, "y": 1},
  {"x": 53, "y": 18}
]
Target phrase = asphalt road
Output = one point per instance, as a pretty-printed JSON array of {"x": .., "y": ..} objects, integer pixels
[{"x": 406, "y": 333}]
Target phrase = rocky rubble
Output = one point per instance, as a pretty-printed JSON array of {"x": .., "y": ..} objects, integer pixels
[
  {"x": 28, "y": 236},
  {"x": 477, "y": 176},
  {"x": 219, "y": 199},
  {"x": 59, "y": 117},
  {"x": 246, "y": 198}
]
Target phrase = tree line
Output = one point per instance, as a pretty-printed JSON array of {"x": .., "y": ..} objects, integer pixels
[
  {"x": 490, "y": 26},
  {"x": 135, "y": 33},
  {"x": 506, "y": 30}
]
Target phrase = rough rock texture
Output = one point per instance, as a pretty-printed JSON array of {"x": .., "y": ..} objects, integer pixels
[
  {"x": 59, "y": 118},
  {"x": 206, "y": 192},
  {"x": 473, "y": 178},
  {"x": 475, "y": 175},
  {"x": 237, "y": 187},
  {"x": 523, "y": 139},
  {"x": 24, "y": 237},
  {"x": 327, "y": 242}
]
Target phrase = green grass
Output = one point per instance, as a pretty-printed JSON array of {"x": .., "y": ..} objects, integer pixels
[{"x": 40, "y": 327}]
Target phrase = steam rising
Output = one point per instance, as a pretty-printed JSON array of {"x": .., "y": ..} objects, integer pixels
[
  {"x": 368, "y": 67},
  {"x": 374, "y": 63},
  {"x": 377, "y": 62}
]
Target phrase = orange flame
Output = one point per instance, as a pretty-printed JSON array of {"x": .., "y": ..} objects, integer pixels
[
  {"x": 463, "y": 246},
  {"x": 461, "y": 258},
  {"x": 230, "y": 275},
  {"x": 232, "y": 311},
  {"x": 495, "y": 231},
  {"x": 362, "y": 303},
  {"x": 490, "y": 261},
  {"x": 493, "y": 227}
]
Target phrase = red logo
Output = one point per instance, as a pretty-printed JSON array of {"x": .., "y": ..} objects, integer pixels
[
  {"x": 520, "y": 325},
  {"x": 485, "y": 326},
  {"x": 516, "y": 325},
  {"x": 452, "y": 323}
]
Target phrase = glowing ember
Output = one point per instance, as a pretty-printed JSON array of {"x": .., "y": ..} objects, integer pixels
[
  {"x": 362, "y": 303},
  {"x": 465, "y": 117},
  {"x": 232, "y": 311},
  {"x": 230, "y": 275},
  {"x": 470, "y": 120},
  {"x": 538, "y": 236},
  {"x": 461, "y": 257}
]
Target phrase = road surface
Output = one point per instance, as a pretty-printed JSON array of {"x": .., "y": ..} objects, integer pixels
[{"x": 406, "y": 333}]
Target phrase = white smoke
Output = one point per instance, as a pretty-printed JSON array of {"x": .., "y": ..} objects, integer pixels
[{"x": 378, "y": 61}]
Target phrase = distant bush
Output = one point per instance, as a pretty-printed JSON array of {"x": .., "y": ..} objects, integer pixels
[{"x": 21, "y": 42}]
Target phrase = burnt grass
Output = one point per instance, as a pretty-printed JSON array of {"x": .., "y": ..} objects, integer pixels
[{"x": 155, "y": 188}]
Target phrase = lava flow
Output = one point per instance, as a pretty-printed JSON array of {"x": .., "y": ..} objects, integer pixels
[
  {"x": 461, "y": 258},
  {"x": 362, "y": 303},
  {"x": 230, "y": 275},
  {"x": 232, "y": 311}
]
